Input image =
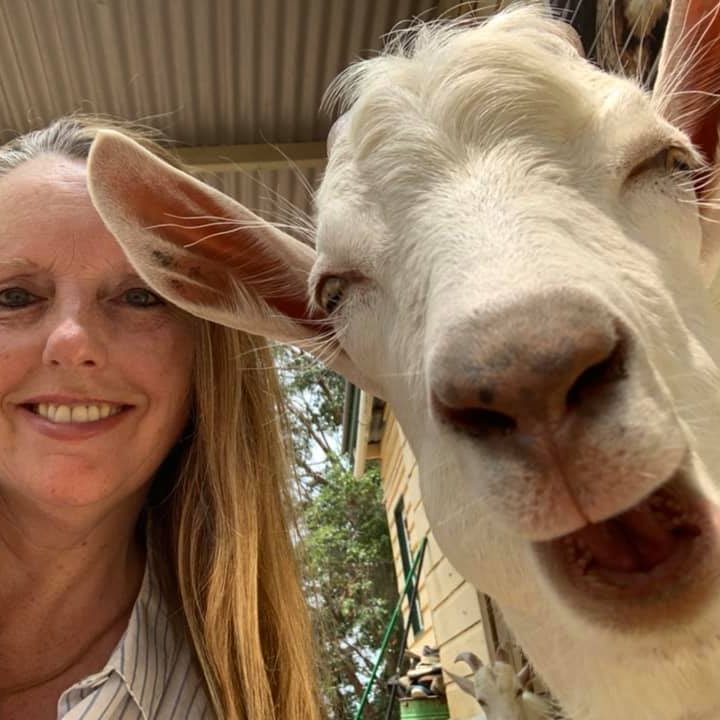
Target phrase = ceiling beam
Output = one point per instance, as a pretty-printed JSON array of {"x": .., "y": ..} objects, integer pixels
[{"x": 236, "y": 158}]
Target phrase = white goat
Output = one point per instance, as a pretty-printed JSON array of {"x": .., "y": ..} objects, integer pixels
[
  {"x": 514, "y": 249},
  {"x": 499, "y": 691}
]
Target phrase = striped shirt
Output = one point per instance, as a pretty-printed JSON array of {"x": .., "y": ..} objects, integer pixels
[{"x": 151, "y": 674}]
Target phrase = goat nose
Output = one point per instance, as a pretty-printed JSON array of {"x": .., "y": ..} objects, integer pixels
[{"x": 527, "y": 366}]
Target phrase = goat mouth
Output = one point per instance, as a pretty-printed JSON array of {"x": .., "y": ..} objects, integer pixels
[{"x": 661, "y": 550}]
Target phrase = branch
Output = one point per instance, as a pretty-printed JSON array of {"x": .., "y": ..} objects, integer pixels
[
  {"x": 351, "y": 675},
  {"x": 358, "y": 653},
  {"x": 317, "y": 478},
  {"x": 307, "y": 424}
]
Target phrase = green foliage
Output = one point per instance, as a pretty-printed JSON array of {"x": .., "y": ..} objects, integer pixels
[
  {"x": 351, "y": 580},
  {"x": 349, "y": 574}
]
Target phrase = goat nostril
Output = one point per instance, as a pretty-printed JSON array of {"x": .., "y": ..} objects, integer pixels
[
  {"x": 597, "y": 377},
  {"x": 476, "y": 421}
]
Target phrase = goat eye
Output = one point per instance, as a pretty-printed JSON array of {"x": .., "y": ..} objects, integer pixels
[
  {"x": 330, "y": 293},
  {"x": 677, "y": 160},
  {"x": 482, "y": 702},
  {"x": 669, "y": 160}
]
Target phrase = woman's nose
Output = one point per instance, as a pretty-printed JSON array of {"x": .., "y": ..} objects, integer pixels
[{"x": 75, "y": 342}]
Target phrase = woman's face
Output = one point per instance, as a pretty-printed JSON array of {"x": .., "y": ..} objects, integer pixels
[{"x": 95, "y": 369}]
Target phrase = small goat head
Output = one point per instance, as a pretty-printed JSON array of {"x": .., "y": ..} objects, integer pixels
[
  {"x": 517, "y": 251},
  {"x": 499, "y": 691}
]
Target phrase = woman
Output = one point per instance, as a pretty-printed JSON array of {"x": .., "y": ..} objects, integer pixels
[{"x": 147, "y": 570}]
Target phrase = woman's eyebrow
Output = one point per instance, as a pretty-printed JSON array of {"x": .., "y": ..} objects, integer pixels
[{"x": 19, "y": 264}]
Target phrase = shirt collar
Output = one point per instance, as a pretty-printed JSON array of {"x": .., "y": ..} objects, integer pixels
[{"x": 148, "y": 651}]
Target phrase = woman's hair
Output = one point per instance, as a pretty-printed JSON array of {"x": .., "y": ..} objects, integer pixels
[{"x": 217, "y": 515}]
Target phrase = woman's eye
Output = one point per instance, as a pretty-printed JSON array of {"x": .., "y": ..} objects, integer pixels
[
  {"x": 330, "y": 293},
  {"x": 17, "y": 297},
  {"x": 141, "y": 297}
]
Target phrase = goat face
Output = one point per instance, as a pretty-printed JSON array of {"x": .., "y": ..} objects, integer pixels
[
  {"x": 509, "y": 244},
  {"x": 512, "y": 253}
]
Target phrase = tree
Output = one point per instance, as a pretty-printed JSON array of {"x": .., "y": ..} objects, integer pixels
[{"x": 348, "y": 569}]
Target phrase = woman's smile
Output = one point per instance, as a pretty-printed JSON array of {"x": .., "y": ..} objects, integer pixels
[
  {"x": 83, "y": 412},
  {"x": 74, "y": 420}
]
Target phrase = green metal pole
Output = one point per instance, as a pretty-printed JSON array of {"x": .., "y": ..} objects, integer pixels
[{"x": 389, "y": 629}]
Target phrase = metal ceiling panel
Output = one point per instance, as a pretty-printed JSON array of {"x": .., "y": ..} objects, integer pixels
[{"x": 217, "y": 72}]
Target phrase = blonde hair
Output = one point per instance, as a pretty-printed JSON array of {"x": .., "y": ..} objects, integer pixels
[{"x": 219, "y": 506}]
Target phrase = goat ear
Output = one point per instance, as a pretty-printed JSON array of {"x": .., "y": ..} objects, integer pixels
[
  {"x": 470, "y": 659},
  {"x": 206, "y": 253},
  {"x": 687, "y": 92},
  {"x": 336, "y": 129},
  {"x": 568, "y": 33},
  {"x": 524, "y": 675},
  {"x": 465, "y": 684}
]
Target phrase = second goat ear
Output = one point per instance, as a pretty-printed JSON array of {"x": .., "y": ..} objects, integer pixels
[
  {"x": 687, "y": 92},
  {"x": 688, "y": 84}
]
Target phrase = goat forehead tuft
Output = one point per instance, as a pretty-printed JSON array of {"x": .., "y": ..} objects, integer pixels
[
  {"x": 445, "y": 89},
  {"x": 422, "y": 46}
]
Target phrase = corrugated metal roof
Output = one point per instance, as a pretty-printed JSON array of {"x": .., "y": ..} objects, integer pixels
[{"x": 210, "y": 73}]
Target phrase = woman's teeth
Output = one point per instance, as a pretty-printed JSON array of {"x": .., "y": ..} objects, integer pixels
[{"x": 75, "y": 413}]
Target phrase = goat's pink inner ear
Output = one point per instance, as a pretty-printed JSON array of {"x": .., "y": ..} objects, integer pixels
[
  {"x": 197, "y": 246},
  {"x": 690, "y": 72},
  {"x": 220, "y": 251},
  {"x": 704, "y": 81}
]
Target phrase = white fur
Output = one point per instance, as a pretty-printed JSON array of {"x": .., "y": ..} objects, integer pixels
[
  {"x": 480, "y": 202},
  {"x": 500, "y": 692},
  {"x": 487, "y": 164}
]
